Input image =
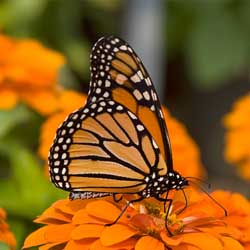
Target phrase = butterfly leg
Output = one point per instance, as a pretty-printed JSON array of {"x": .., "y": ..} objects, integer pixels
[
  {"x": 124, "y": 209},
  {"x": 169, "y": 201},
  {"x": 182, "y": 209},
  {"x": 117, "y": 199}
]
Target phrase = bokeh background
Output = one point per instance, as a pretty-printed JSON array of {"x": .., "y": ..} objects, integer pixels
[{"x": 197, "y": 53}]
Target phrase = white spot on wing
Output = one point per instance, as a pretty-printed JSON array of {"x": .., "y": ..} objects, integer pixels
[
  {"x": 140, "y": 74},
  {"x": 146, "y": 95},
  {"x": 120, "y": 79},
  {"x": 135, "y": 78},
  {"x": 137, "y": 94},
  {"x": 132, "y": 115},
  {"x": 107, "y": 83},
  {"x": 139, "y": 127},
  {"x": 154, "y": 144},
  {"x": 123, "y": 47},
  {"x": 56, "y": 170}
]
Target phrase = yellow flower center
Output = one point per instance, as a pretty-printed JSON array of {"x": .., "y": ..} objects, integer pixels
[{"x": 175, "y": 224}]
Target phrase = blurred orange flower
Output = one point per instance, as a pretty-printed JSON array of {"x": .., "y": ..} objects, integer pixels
[
  {"x": 28, "y": 73},
  {"x": 237, "y": 136},
  {"x": 186, "y": 154},
  {"x": 80, "y": 224},
  {"x": 67, "y": 101},
  {"x": 5, "y": 235}
]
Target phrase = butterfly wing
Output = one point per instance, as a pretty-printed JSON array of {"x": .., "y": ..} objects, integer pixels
[
  {"x": 118, "y": 74},
  {"x": 103, "y": 148}
]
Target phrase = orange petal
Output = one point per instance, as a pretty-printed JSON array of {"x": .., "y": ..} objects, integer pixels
[
  {"x": 246, "y": 236},
  {"x": 2, "y": 212},
  {"x": 79, "y": 244},
  {"x": 230, "y": 243},
  {"x": 44, "y": 102},
  {"x": 8, "y": 99},
  {"x": 203, "y": 241},
  {"x": 103, "y": 210},
  {"x": 97, "y": 245},
  {"x": 59, "y": 233},
  {"x": 76, "y": 100},
  {"x": 247, "y": 246},
  {"x": 82, "y": 217},
  {"x": 125, "y": 245},
  {"x": 240, "y": 203},
  {"x": 39, "y": 64},
  {"x": 36, "y": 238},
  {"x": 7, "y": 237},
  {"x": 116, "y": 234},
  {"x": 70, "y": 207},
  {"x": 53, "y": 216},
  {"x": 201, "y": 221},
  {"x": 170, "y": 241},
  {"x": 52, "y": 246},
  {"x": 185, "y": 247},
  {"x": 149, "y": 243},
  {"x": 143, "y": 222},
  {"x": 228, "y": 230},
  {"x": 87, "y": 231}
]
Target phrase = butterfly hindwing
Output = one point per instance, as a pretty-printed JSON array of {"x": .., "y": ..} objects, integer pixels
[
  {"x": 103, "y": 148},
  {"x": 118, "y": 74}
]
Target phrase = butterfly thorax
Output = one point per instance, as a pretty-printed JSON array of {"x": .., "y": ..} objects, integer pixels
[{"x": 157, "y": 185}]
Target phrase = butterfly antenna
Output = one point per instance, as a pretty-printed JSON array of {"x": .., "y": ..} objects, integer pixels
[
  {"x": 210, "y": 197},
  {"x": 199, "y": 180}
]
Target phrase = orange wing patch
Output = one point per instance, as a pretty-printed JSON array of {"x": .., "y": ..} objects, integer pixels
[
  {"x": 111, "y": 125},
  {"x": 130, "y": 129},
  {"x": 146, "y": 115},
  {"x": 92, "y": 125},
  {"x": 108, "y": 188},
  {"x": 81, "y": 136},
  {"x": 148, "y": 149},
  {"x": 128, "y": 154},
  {"x": 78, "y": 150},
  {"x": 84, "y": 167},
  {"x": 127, "y": 59}
]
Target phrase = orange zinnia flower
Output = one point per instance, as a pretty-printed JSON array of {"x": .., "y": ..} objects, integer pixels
[
  {"x": 5, "y": 235},
  {"x": 238, "y": 208},
  {"x": 28, "y": 73},
  {"x": 79, "y": 224},
  {"x": 237, "y": 137}
]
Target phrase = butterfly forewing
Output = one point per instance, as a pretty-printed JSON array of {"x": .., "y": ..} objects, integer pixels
[
  {"x": 103, "y": 148},
  {"x": 118, "y": 74}
]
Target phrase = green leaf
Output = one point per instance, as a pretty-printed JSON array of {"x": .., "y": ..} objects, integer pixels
[
  {"x": 28, "y": 191},
  {"x": 9, "y": 119},
  {"x": 217, "y": 47},
  {"x": 19, "y": 228},
  {"x": 18, "y": 16},
  {"x": 78, "y": 55},
  {"x": 4, "y": 246}
]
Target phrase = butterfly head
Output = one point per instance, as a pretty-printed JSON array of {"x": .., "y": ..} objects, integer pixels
[
  {"x": 157, "y": 185},
  {"x": 175, "y": 181}
]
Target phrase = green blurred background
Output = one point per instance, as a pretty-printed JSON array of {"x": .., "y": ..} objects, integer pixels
[{"x": 200, "y": 65}]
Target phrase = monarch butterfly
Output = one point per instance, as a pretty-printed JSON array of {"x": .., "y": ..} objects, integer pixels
[{"x": 118, "y": 142}]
